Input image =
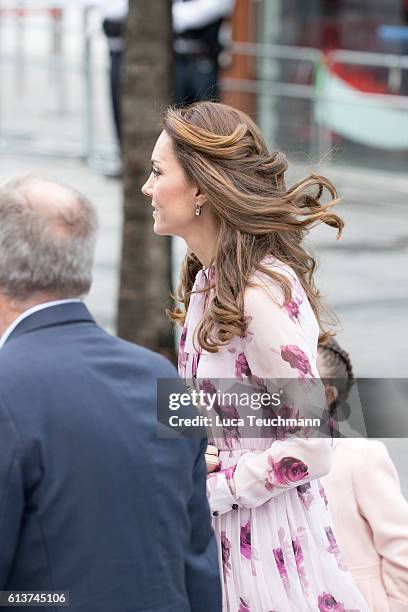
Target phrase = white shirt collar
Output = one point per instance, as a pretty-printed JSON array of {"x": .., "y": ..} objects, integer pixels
[{"x": 29, "y": 312}]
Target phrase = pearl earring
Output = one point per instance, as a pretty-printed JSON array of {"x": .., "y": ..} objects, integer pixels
[{"x": 198, "y": 210}]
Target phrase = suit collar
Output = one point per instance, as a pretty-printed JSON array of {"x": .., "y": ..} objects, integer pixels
[{"x": 59, "y": 314}]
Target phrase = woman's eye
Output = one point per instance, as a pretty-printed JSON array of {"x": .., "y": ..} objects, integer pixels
[{"x": 155, "y": 172}]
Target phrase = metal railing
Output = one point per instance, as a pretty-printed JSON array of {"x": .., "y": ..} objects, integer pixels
[
  {"x": 312, "y": 62},
  {"x": 396, "y": 64},
  {"x": 259, "y": 51},
  {"x": 306, "y": 66},
  {"x": 66, "y": 82}
]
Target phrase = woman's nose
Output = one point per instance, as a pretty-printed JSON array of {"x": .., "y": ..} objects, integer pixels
[{"x": 146, "y": 189}]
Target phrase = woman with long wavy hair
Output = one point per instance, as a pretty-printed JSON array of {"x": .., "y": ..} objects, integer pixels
[{"x": 251, "y": 313}]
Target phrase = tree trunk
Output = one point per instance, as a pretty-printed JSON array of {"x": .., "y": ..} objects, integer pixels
[{"x": 146, "y": 265}]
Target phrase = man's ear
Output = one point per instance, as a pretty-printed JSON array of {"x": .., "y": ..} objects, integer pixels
[{"x": 331, "y": 394}]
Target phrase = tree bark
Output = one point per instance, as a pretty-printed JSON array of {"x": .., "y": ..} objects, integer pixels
[{"x": 146, "y": 263}]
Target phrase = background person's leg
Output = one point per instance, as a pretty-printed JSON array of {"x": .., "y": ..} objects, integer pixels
[{"x": 205, "y": 79}]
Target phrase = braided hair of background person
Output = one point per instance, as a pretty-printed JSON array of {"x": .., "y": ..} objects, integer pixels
[{"x": 339, "y": 371}]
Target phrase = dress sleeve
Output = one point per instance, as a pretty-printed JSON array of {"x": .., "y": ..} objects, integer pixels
[
  {"x": 277, "y": 346},
  {"x": 386, "y": 511}
]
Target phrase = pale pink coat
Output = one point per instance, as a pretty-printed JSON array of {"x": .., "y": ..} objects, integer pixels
[{"x": 370, "y": 518}]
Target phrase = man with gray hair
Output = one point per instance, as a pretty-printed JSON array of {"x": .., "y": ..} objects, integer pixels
[{"x": 92, "y": 503}]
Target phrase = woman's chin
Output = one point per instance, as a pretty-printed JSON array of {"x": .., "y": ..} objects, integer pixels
[
  {"x": 160, "y": 229},
  {"x": 164, "y": 229}
]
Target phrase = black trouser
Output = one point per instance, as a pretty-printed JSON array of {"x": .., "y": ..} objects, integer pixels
[
  {"x": 116, "y": 91},
  {"x": 195, "y": 78}
]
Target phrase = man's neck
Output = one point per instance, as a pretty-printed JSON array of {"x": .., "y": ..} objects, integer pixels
[{"x": 10, "y": 309}]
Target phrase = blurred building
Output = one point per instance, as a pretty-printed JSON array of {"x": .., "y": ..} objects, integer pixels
[
  {"x": 340, "y": 24},
  {"x": 336, "y": 82}
]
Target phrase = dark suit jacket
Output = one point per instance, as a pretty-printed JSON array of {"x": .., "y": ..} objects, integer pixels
[{"x": 91, "y": 500}]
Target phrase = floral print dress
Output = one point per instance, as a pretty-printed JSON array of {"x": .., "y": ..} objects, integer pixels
[{"x": 277, "y": 550}]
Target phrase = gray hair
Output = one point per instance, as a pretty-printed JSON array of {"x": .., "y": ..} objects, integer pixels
[{"x": 45, "y": 247}]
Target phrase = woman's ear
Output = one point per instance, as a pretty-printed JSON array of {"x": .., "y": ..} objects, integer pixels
[
  {"x": 200, "y": 197},
  {"x": 331, "y": 394}
]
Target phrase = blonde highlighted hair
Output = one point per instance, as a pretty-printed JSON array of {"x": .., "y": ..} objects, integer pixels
[{"x": 222, "y": 151}]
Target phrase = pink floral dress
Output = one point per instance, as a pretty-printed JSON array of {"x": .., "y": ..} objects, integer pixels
[{"x": 276, "y": 546}]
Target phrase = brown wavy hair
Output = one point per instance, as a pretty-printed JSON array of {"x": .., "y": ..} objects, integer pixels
[{"x": 222, "y": 151}]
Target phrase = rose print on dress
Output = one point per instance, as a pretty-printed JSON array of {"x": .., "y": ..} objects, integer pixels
[
  {"x": 297, "y": 551},
  {"x": 297, "y": 359},
  {"x": 334, "y": 549},
  {"x": 305, "y": 494},
  {"x": 286, "y": 412},
  {"x": 194, "y": 365},
  {"x": 228, "y": 474},
  {"x": 245, "y": 541},
  {"x": 183, "y": 356},
  {"x": 258, "y": 383},
  {"x": 183, "y": 338},
  {"x": 290, "y": 469},
  {"x": 299, "y": 559},
  {"x": 285, "y": 471},
  {"x": 280, "y": 563},
  {"x": 228, "y": 415},
  {"x": 241, "y": 366},
  {"x": 292, "y": 308},
  {"x": 322, "y": 493},
  {"x": 327, "y": 603},
  {"x": 243, "y": 606},
  {"x": 226, "y": 552},
  {"x": 207, "y": 386},
  {"x": 270, "y": 478}
]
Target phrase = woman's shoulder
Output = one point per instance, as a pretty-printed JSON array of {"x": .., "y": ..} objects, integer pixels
[
  {"x": 262, "y": 286},
  {"x": 267, "y": 306},
  {"x": 274, "y": 265}
]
